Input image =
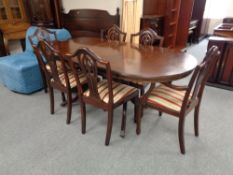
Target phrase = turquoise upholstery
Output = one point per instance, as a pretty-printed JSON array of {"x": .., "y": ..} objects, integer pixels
[{"x": 20, "y": 72}]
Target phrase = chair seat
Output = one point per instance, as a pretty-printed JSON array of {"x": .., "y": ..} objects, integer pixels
[
  {"x": 165, "y": 97},
  {"x": 120, "y": 91},
  {"x": 82, "y": 79},
  {"x": 59, "y": 67}
]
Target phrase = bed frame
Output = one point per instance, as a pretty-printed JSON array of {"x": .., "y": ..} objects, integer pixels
[{"x": 89, "y": 22}]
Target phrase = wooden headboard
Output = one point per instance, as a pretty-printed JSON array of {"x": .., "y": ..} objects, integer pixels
[{"x": 89, "y": 22}]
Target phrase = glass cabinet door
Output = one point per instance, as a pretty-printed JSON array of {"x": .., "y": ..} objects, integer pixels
[
  {"x": 3, "y": 13},
  {"x": 15, "y": 9}
]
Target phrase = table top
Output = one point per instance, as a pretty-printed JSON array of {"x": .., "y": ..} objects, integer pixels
[{"x": 148, "y": 64}]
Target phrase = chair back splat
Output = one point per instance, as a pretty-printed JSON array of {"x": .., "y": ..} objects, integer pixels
[
  {"x": 148, "y": 37},
  {"x": 114, "y": 33}
]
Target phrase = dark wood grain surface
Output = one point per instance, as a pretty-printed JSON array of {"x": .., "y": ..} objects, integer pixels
[{"x": 148, "y": 64}]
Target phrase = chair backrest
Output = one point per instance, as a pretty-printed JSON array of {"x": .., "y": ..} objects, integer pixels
[
  {"x": 53, "y": 65},
  {"x": 114, "y": 33},
  {"x": 147, "y": 37},
  {"x": 62, "y": 34},
  {"x": 200, "y": 75},
  {"x": 88, "y": 63},
  {"x": 41, "y": 34}
]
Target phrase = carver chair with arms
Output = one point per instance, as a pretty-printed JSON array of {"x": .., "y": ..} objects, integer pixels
[
  {"x": 180, "y": 100},
  {"x": 105, "y": 94}
]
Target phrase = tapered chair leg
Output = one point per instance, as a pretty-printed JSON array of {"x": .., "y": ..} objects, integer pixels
[
  {"x": 69, "y": 107},
  {"x": 181, "y": 135},
  {"x": 44, "y": 82},
  {"x": 123, "y": 122},
  {"x": 51, "y": 96},
  {"x": 109, "y": 126},
  {"x": 63, "y": 97},
  {"x": 196, "y": 120},
  {"x": 160, "y": 113},
  {"x": 138, "y": 113},
  {"x": 83, "y": 116}
]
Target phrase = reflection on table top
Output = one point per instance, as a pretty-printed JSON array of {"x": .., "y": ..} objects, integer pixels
[{"x": 150, "y": 64}]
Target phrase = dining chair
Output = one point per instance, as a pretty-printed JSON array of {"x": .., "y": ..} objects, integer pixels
[
  {"x": 114, "y": 33},
  {"x": 102, "y": 93},
  {"x": 40, "y": 34},
  {"x": 58, "y": 76},
  {"x": 148, "y": 37},
  {"x": 180, "y": 100}
]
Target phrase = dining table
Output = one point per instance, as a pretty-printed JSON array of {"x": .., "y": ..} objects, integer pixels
[
  {"x": 147, "y": 64},
  {"x": 133, "y": 61}
]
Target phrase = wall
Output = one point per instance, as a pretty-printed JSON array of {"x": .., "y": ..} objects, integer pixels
[
  {"x": 216, "y": 10},
  {"x": 109, "y": 5}
]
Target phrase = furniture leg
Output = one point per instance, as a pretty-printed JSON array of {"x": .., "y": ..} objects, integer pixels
[
  {"x": 109, "y": 126},
  {"x": 123, "y": 122},
  {"x": 181, "y": 135},
  {"x": 83, "y": 116},
  {"x": 138, "y": 113},
  {"x": 196, "y": 120},
  {"x": 51, "y": 96},
  {"x": 69, "y": 107},
  {"x": 160, "y": 113}
]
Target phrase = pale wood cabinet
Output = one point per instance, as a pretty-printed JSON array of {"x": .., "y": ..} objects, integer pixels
[{"x": 13, "y": 21}]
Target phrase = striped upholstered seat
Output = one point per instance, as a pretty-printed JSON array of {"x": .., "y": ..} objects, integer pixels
[
  {"x": 59, "y": 67},
  {"x": 119, "y": 91},
  {"x": 165, "y": 97},
  {"x": 82, "y": 79}
]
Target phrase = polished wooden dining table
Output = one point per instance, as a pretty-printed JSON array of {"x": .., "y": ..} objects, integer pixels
[{"x": 135, "y": 62}]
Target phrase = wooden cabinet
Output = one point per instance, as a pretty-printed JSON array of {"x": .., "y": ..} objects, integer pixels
[
  {"x": 177, "y": 15},
  {"x": 46, "y": 13},
  {"x": 222, "y": 74},
  {"x": 197, "y": 14},
  {"x": 13, "y": 21}
]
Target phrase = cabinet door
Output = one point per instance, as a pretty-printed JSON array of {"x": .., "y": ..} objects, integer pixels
[
  {"x": 215, "y": 71},
  {"x": 40, "y": 12},
  {"x": 226, "y": 72},
  {"x": 3, "y": 11}
]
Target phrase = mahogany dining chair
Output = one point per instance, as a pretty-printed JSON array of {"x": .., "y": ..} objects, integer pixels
[
  {"x": 58, "y": 75},
  {"x": 114, "y": 33},
  {"x": 105, "y": 94},
  {"x": 39, "y": 35},
  {"x": 147, "y": 37},
  {"x": 180, "y": 100}
]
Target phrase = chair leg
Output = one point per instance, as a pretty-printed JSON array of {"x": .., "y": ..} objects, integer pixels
[
  {"x": 142, "y": 91},
  {"x": 63, "y": 98},
  {"x": 69, "y": 107},
  {"x": 83, "y": 116},
  {"x": 44, "y": 81},
  {"x": 160, "y": 113},
  {"x": 138, "y": 113},
  {"x": 196, "y": 120},
  {"x": 109, "y": 126},
  {"x": 123, "y": 122},
  {"x": 51, "y": 96},
  {"x": 181, "y": 135}
]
